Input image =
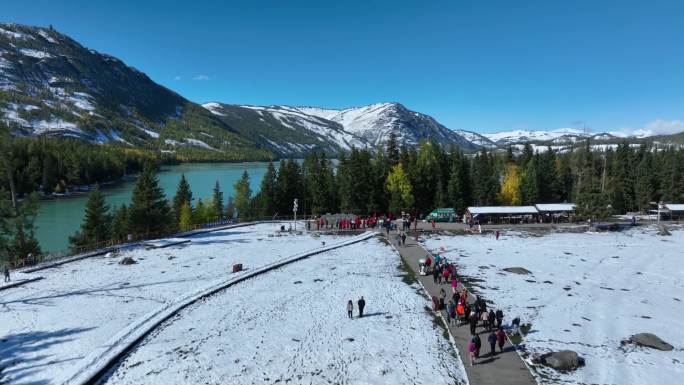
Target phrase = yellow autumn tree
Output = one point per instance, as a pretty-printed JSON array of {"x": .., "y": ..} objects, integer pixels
[
  {"x": 400, "y": 189},
  {"x": 510, "y": 188},
  {"x": 185, "y": 222}
]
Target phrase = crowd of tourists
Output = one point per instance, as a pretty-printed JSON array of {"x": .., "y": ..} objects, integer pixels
[{"x": 460, "y": 312}]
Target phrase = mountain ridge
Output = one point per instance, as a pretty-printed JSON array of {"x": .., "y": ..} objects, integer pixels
[{"x": 51, "y": 85}]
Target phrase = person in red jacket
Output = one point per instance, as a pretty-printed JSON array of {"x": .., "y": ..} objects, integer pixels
[{"x": 501, "y": 338}]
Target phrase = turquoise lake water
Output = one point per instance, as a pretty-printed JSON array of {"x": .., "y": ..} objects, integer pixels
[{"x": 60, "y": 218}]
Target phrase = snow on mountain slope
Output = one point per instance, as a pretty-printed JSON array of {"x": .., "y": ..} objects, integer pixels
[
  {"x": 375, "y": 122},
  {"x": 477, "y": 139},
  {"x": 516, "y": 136},
  {"x": 286, "y": 130}
]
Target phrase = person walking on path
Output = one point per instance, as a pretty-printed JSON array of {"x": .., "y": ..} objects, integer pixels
[
  {"x": 350, "y": 309},
  {"x": 473, "y": 321},
  {"x": 501, "y": 338},
  {"x": 478, "y": 345},
  {"x": 435, "y": 275},
  {"x": 485, "y": 320},
  {"x": 403, "y": 239},
  {"x": 7, "y": 274},
  {"x": 362, "y": 304},
  {"x": 454, "y": 285},
  {"x": 492, "y": 343},
  {"x": 442, "y": 298},
  {"x": 471, "y": 352},
  {"x": 498, "y": 234},
  {"x": 451, "y": 310},
  {"x": 492, "y": 319},
  {"x": 499, "y": 318}
]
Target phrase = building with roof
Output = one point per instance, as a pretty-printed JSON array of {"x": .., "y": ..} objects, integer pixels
[
  {"x": 676, "y": 210},
  {"x": 556, "y": 212},
  {"x": 501, "y": 214}
]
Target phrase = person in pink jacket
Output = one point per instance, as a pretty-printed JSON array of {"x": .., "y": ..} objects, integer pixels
[
  {"x": 472, "y": 348},
  {"x": 454, "y": 285}
]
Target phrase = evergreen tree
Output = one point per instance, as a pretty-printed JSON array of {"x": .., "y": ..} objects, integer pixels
[
  {"x": 549, "y": 179},
  {"x": 393, "y": 155},
  {"x": 527, "y": 155},
  {"x": 427, "y": 174},
  {"x": 673, "y": 176},
  {"x": 623, "y": 183},
  {"x": 379, "y": 196},
  {"x": 344, "y": 184},
  {"x": 243, "y": 193},
  {"x": 183, "y": 196},
  {"x": 96, "y": 224},
  {"x": 149, "y": 212},
  {"x": 200, "y": 215},
  {"x": 230, "y": 209},
  {"x": 643, "y": 187},
  {"x": 217, "y": 202},
  {"x": 120, "y": 224},
  {"x": 266, "y": 198},
  {"x": 529, "y": 184},
  {"x": 460, "y": 186}
]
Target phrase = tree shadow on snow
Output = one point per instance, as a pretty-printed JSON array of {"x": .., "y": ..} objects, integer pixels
[
  {"x": 220, "y": 233},
  {"x": 226, "y": 242},
  {"x": 374, "y": 314},
  {"x": 19, "y": 356},
  {"x": 103, "y": 290}
]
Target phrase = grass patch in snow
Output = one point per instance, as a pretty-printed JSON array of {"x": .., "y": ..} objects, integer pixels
[
  {"x": 408, "y": 276},
  {"x": 438, "y": 322},
  {"x": 516, "y": 338}
]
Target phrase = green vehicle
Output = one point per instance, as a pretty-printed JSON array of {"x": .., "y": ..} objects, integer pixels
[{"x": 442, "y": 215}]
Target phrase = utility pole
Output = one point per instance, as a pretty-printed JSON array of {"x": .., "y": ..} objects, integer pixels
[
  {"x": 603, "y": 177},
  {"x": 294, "y": 210}
]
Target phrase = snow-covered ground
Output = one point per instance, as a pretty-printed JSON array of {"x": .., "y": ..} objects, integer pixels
[
  {"x": 48, "y": 326},
  {"x": 587, "y": 292},
  {"x": 290, "y": 326}
]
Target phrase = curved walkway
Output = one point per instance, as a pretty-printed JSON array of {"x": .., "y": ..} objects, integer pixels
[
  {"x": 505, "y": 368},
  {"x": 98, "y": 362}
]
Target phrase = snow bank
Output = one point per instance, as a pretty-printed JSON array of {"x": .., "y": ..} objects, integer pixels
[
  {"x": 49, "y": 326},
  {"x": 290, "y": 326}
]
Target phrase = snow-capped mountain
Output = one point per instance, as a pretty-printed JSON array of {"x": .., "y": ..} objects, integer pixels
[
  {"x": 375, "y": 122},
  {"x": 292, "y": 131},
  {"x": 50, "y": 85},
  {"x": 561, "y": 136},
  {"x": 286, "y": 130}
]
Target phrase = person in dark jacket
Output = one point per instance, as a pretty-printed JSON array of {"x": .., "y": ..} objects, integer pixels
[
  {"x": 492, "y": 343},
  {"x": 499, "y": 318},
  {"x": 473, "y": 321},
  {"x": 362, "y": 304},
  {"x": 435, "y": 275},
  {"x": 478, "y": 345},
  {"x": 492, "y": 319},
  {"x": 7, "y": 273},
  {"x": 403, "y": 239}
]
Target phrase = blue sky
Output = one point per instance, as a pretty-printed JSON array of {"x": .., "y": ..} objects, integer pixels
[{"x": 472, "y": 64}]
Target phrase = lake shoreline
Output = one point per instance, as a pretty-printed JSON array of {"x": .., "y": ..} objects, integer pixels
[{"x": 61, "y": 216}]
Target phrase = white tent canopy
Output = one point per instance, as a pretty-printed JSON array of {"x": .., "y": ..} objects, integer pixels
[
  {"x": 674, "y": 206},
  {"x": 507, "y": 210},
  {"x": 555, "y": 207}
]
